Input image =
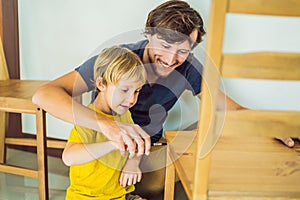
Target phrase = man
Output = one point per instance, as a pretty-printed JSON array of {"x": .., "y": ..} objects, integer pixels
[{"x": 172, "y": 30}]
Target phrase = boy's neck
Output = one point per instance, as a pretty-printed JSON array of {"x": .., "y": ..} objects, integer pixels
[{"x": 98, "y": 103}]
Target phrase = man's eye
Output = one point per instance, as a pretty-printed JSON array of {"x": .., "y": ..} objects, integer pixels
[
  {"x": 183, "y": 52},
  {"x": 166, "y": 46}
]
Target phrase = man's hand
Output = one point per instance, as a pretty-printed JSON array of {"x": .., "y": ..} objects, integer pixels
[
  {"x": 131, "y": 173},
  {"x": 289, "y": 142},
  {"x": 132, "y": 135}
]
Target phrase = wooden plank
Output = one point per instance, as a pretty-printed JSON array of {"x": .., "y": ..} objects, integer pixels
[
  {"x": 42, "y": 154},
  {"x": 254, "y": 166},
  {"x": 181, "y": 145},
  {"x": 263, "y": 7},
  {"x": 260, "y": 123},
  {"x": 57, "y": 144},
  {"x": 262, "y": 65},
  {"x": 21, "y": 141},
  {"x": 185, "y": 166},
  {"x": 22, "y": 89},
  {"x": 18, "y": 99},
  {"x": 250, "y": 196},
  {"x": 258, "y": 167},
  {"x": 215, "y": 32},
  {"x": 170, "y": 177},
  {"x": 1, "y": 24},
  {"x": 3, "y": 66},
  {"x": 18, "y": 171},
  {"x": 3, "y": 122},
  {"x": 14, "y": 105}
]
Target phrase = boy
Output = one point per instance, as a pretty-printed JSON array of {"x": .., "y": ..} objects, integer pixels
[{"x": 94, "y": 160}]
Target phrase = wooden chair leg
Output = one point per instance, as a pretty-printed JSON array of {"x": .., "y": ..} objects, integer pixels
[
  {"x": 3, "y": 120},
  {"x": 42, "y": 154},
  {"x": 170, "y": 178},
  {"x": 201, "y": 178}
]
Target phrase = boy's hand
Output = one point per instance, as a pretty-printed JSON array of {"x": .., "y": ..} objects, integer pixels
[{"x": 131, "y": 172}]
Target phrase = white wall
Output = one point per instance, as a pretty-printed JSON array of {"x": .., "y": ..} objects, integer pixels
[{"x": 56, "y": 36}]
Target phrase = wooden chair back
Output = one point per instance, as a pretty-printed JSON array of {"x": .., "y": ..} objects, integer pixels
[
  {"x": 234, "y": 154},
  {"x": 240, "y": 126}
]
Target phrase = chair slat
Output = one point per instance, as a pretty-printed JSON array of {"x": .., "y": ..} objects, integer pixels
[
  {"x": 263, "y": 7},
  {"x": 262, "y": 65},
  {"x": 18, "y": 171},
  {"x": 261, "y": 123}
]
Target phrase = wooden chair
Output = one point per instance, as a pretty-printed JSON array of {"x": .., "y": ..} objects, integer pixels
[
  {"x": 15, "y": 97},
  {"x": 246, "y": 161}
]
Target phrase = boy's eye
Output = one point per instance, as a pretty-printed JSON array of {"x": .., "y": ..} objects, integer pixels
[{"x": 125, "y": 90}]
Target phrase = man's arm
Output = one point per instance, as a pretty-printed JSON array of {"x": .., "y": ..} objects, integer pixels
[
  {"x": 230, "y": 104},
  {"x": 224, "y": 100},
  {"x": 56, "y": 98}
]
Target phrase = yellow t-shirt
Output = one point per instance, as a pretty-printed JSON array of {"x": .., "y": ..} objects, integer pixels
[{"x": 98, "y": 179}]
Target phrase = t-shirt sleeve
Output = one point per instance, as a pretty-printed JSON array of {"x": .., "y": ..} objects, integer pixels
[
  {"x": 74, "y": 136},
  {"x": 86, "y": 71},
  {"x": 194, "y": 76},
  {"x": 81, "y": 135}
]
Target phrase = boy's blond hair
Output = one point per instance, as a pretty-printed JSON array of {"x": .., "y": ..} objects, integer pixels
[{"x": 115, "y": 62}]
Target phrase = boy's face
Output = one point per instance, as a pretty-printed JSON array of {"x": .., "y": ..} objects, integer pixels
[
  {"x": 120, "y": 97},
  {"x": 165, "y": 57}
]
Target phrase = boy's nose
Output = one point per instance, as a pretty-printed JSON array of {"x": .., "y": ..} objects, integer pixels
[{"x": 132, "y": 99}]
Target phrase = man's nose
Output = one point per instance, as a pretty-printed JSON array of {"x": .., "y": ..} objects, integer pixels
[{"x": 171, "y": 58}]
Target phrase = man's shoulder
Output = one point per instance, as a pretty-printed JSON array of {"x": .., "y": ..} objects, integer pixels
[{"x": 137, "y": 46}]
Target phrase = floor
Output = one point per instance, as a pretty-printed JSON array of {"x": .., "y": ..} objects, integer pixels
[{"x": 14, "y": 187}]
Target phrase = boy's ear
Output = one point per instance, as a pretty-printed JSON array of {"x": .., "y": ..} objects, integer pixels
[{"x": 100, "y": 84}]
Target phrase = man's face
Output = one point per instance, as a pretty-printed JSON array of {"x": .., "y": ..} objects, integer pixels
[{"x": 164, "y": 56}]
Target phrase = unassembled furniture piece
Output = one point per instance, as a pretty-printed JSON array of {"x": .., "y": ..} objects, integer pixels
[{"x": 234, "y": 154}]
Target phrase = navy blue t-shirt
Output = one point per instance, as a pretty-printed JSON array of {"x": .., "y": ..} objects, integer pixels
[{"x": 155, "y": 101}]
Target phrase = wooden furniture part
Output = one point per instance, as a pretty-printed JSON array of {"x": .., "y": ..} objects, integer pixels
[
  {"x": 234, "y": 154},
  {"x": 15, "y": 97}
]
